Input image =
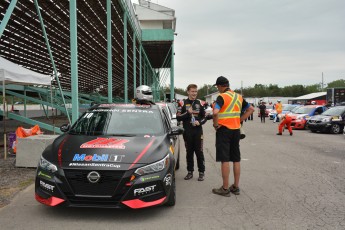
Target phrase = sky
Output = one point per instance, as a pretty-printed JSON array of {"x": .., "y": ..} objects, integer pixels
[{"x": 283, "y": 42}]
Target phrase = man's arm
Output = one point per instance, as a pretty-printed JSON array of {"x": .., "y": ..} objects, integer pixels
[
  {"x": 202, "y": 116},
  {"x": 247, "y": 112},
  {"x": 182, "y": 114}
]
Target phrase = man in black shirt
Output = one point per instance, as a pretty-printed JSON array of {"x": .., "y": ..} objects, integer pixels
[
  {"x": 192, "y": 113},
  {"x": 262, "y": 108}
]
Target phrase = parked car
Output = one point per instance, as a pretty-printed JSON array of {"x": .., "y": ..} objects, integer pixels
[
  {"x": 269, "y": 108},
  {"x": 114, "y": 156},
  {"x": 303, "y": 113},
  {"x": 332, "y": 120},
  {"x": 287, "y": 108},
  {"x": 171, "y": 110}
]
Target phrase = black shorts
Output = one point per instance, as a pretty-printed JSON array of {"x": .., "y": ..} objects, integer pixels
[{"x": 228, "y": 145}]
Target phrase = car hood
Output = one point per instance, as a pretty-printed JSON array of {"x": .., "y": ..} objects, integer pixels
[
  {"x": 295, "y": 115},
  {"x": 318, "y": 117},
  {"x": 126, "y": 152}
]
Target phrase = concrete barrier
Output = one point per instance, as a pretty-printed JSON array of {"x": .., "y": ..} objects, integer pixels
[{"x": 29, "y": 149}]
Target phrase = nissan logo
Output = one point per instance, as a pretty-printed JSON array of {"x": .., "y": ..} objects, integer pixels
[{"x": 93, "y": 176}]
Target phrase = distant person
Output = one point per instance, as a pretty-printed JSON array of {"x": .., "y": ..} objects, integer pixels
[
  {"x": 251, "y": 117},
  {"x": 279, "y": 108},
  {"x": 285, "y": 121},
  {"x": 262, "y": 109}
]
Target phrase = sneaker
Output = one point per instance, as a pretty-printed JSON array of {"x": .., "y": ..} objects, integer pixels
[
  {"x": 234, "y": 190},
  {"x": 201, "y": 176},
  {"x": 290, "y": 134},
  {"x": 189, "y": 176},
  {"x": 221, "y": 191},
  {"x": 279, "y": 134}
]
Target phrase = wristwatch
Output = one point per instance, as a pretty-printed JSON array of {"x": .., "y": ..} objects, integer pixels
[{"x": 216, "y": 126}]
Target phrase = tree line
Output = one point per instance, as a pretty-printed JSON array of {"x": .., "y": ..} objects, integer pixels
[{"x": 271, "y": 90}]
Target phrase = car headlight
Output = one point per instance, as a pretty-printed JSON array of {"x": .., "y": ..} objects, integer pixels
[
  {"x": 46, "y": 165},
  {"x": 336, "y": 118},
  {"x": 155, "y": 167}
]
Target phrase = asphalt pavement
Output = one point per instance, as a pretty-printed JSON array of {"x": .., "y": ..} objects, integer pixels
[{"x": 287, "y": 182}]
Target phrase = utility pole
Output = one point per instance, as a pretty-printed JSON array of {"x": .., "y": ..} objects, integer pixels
[
  {"x": 322, "y": 83},
  {"x": 242, "y": 88}
]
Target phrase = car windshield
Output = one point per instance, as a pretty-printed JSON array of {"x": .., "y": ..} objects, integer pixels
[
  {"x": 304, "y": 110},
  {"x": 289, "y": 107},
  {"x": 119, "y": 122},
  {"x": 335, "y": 111},
  {"x": 294, "y": 109}
]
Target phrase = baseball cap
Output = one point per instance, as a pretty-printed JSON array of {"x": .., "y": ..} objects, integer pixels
[{"x": 221, "y": 81}]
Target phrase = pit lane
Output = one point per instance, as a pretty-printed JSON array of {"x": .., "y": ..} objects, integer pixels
[{"x": 287, "y": 182}]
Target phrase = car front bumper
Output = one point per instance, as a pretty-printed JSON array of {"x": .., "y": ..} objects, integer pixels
[{"x": 115, "y": 189}]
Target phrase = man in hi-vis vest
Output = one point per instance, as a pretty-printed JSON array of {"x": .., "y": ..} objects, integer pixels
[{"x": 227, "y": 123}]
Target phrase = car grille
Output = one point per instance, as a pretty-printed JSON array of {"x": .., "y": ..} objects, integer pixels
[
  {"x": 313, "y": 122},
  {"x": 106, "y": 186}
]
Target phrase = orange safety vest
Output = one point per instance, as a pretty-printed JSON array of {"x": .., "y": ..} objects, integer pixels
[
  {"x": 230, "y": 113},
  {"x": 279, "y": 108}
]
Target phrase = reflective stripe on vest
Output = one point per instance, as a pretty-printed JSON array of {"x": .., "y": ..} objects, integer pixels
[{"x": 230, "y": 116}]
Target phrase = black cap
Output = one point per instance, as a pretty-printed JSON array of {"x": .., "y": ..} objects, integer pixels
[{"x": 221, "y": 81}]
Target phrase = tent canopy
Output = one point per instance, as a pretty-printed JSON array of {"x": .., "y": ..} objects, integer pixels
[{"x": 16, "y": 74}]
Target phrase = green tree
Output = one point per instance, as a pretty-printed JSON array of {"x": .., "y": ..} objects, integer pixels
[{"x": 336, "y": 83}]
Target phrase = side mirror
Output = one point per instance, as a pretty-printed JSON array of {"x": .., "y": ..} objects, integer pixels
[
  {"x": 176, "y": 130},
  {"x": 65, "y": 128}
]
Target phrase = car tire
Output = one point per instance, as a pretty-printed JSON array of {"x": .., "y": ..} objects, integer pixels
[
  {"x": 313, "y": 130},
  {"x": 335, "y": 129},
  {"x": 172, "y": 196}
]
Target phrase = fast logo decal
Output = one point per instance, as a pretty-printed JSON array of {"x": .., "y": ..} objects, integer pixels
[
  {"x": 142, "y": 191},
  {"x": 47, "y": 186},
  {"x": 168, "y": 179},
  {"x": 98, "y": 157},
  {"x": 105, "y": 143},
  {"x": 143, "y": 179}
]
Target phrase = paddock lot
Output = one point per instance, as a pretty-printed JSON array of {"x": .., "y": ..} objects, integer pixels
[{"x": 287, "y": 182}]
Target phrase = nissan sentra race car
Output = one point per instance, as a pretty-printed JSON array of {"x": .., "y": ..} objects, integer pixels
[{"x": 115, "y": 155}]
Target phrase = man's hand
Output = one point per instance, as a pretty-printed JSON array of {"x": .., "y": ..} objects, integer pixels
[
  {"x": 190, "y": 110},
  {"x": 196, "y": 123}
]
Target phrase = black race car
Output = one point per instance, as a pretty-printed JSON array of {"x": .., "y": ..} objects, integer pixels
[
  {"x": 115, "y": 155},
  {"x": 332, "y": 120}
]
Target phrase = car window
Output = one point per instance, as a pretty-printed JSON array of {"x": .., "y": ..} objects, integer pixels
[
  {"x": 304, "y": 110},
  {"x": 119, "y": 122},
  {"x": 172, "y": 108},
  {"x": 335, "y": 111}
]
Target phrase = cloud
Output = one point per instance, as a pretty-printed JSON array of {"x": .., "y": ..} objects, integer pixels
[{"x": 280, "y": 42}]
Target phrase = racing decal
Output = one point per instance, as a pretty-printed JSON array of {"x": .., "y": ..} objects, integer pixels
[
  {"x": 142, "y": 153},
  {"x": 42, "y": 174},
  {"x": 143, "y": 191},
  {"x": 98, "y": 157},
  {"x": 144, "y": 179},
  {"x": 60, "y": 151},
  {"x": 168, "y": 179},
  {"x": 46, "y": 186},
  {"x": 104, "y": 165},
  {"x": 51, "y": 201},
  {"x": 107, "y": 143},
  {"x": 137, "y": 203}
]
